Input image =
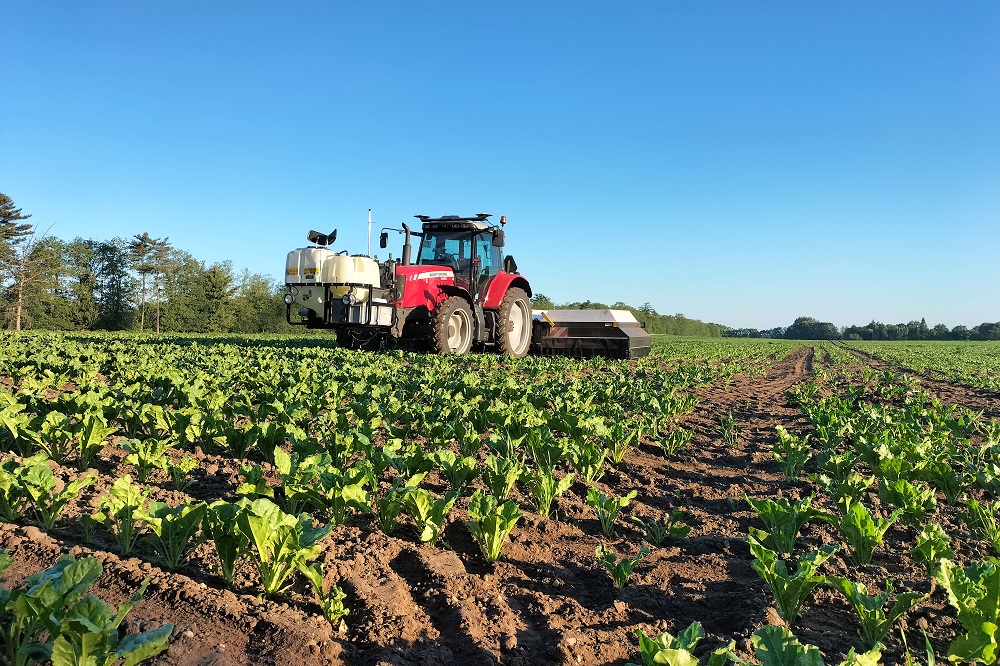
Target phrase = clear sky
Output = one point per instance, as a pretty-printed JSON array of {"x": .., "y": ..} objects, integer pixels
[{"x": 737, "y": 162}]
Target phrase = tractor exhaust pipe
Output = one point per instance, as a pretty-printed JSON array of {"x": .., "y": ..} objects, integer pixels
[{"x": 406, "y": 245}]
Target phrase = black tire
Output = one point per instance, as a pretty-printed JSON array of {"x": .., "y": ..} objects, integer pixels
[
  {"x": 453, "y": 327},
  {"x": 514, "y": 336}
]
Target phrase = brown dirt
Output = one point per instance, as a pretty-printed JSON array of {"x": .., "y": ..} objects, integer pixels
[{"x": 547, "y": 601}]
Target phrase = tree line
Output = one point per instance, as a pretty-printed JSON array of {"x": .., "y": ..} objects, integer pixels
[
  {"x": 807, "y": 328},
  {"x": 140, "y": 283},
  {"x": 676, "y": 324}
]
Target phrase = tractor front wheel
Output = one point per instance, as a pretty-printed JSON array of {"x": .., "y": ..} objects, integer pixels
[
  {"x": 453, "y": 326},
  {"x": 514, "y": 336}
]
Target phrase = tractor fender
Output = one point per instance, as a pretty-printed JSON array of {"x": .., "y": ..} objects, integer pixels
[{"x": 499, "y": 286}]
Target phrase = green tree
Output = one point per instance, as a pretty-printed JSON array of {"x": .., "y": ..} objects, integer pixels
[
  {"x": 12, "y": 231},
  {"x": 541, "y": 302},
  {"x": 143, "y": 253},
  {"x": 116, "y": 287}
]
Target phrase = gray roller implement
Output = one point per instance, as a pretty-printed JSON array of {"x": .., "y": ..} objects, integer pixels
[{"x": 589, "y": 333}]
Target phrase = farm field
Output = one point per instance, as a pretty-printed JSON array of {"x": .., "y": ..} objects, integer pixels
[{"x": 412, "y": 468}]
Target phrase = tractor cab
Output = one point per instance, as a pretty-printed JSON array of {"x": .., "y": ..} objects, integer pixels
[{"x": 467, "y": 246}]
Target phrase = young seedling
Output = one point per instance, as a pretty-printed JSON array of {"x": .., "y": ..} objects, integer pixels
[
  {"x": 875, "y": 620},
  {"x": 544, "y": 488},
  {"x": 458, "y": 470},
  {"x": 147, "y": 455},
  {"x": 932, "y": 545},
  {"x": 491, "y": 524},
  {"x": 608, "y": 508},
  {"x": 864, "y": 532},
  {"x": 621, "y": 569},
  {"x": 658, "y": 531},
  {"x": 672, "y": 442},
  {"x": 94, "y": 430},
  {"x": 621, "y": 439},
  {"x": 678, "y": 651},
  {"x": 388, "y": 506},
  {"x": 791, "y": 453},
  {"x": 174, "y": 530},
  {"x": 429, "y": 513},
  {"x": 221, "y": 525},
  {"x": 783, "y": 521},
  {"x": 587, "y": 459},
  {"x": 500, "y": 474},
  {"x": 118, "y": 512},
  {"x": 777, "y": 646},
  {"x": 916, "y": 500},
  {"x": 282, "y": 542},
  {"x": 179, "y": 472},
  {"x": 40, "y": 484},
  {"x": 790, "y": 591},
  {"x": 331, "y": 600},
  {"x": 728, "y": 430},
  {"x": 982, "y": 519}
]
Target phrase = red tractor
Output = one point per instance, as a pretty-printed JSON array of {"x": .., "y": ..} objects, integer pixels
[{"x": 461, "y": 293}]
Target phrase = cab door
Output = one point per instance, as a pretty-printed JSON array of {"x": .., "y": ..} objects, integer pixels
[{"x": 487, "y": 264}]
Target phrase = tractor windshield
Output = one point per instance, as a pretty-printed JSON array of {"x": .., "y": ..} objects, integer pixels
[{"x": 446, "y": 248}]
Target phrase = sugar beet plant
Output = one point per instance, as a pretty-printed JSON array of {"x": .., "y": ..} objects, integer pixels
[
  {"x": 608, "y": 508},
  {"x": 790, "y": 590},
  {"x": 491, "y": 523},
  {"x": 620, "y": 569}
]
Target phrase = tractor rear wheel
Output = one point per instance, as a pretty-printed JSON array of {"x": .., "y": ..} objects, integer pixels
[
  {"x": 453, "y": 326},
  {"x": 514, "y": 336}
]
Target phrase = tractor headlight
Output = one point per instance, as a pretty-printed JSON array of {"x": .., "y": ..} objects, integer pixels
[
  {"x": 289, "y": 299},
  {"x": 349, "y": 299}
]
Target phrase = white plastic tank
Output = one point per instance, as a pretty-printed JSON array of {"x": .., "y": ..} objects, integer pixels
[
  {"x": 341, "y": 268},
  {"x": 305, "y": 265}
]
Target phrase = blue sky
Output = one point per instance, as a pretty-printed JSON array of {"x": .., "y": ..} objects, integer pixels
[{"x": 737, "y": 162}]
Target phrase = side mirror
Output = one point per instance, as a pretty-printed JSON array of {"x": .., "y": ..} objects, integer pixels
[
  {"x": 383, "y": 240},
  {"x": 509, "y": 265},
  {"x": 498, "y": 238}
]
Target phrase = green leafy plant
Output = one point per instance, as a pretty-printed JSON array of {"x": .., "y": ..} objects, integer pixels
[
  {"x": 657, "y": 531},
  {"x": 93, "y": 431},
  {"x": 944, "y": 477},
  {"x": 621, "y": 438},
  {"x": 89, "y": 634},
  {"x": 587, "y": 458},
  {"x": 429, "y": 512},
  {"x": 777, "y": 646},
  {"x": 915, "y": 499},
  {"x": 790, "y": 591},
  {"x": 784, "y": 520},
  {"x": 544, "y": 488},
  {"x": 974, "y": 591},
  {"x": 864, "y": 533},
  {"x": 608, "y": 508},
  {"x": 728, "y": 430},
  {"x": 932, "y": 545},
  {"x": 282, "y": 543},
  {"x": 491, "y": 524},
  {"x": 179, "y": 472},
  {"x": 500, "y": 474},
  {"x": 40, "y": 484},
  {"x": 669, "y": 650},
  {"x": 118, "y": 512},
  {"x": 981, "y": 517},
  {"x": 620, "y": 569},
  {"x": 147, "y": 455},
  {"x": 388, "y": 505},
  {"x": 221, "y": 525},
  {"x": 876, "y": 620},
  {"x": 174, "y": 530},
  {"x": 673, "y": 441},
  {"x": 791, "y": 452},
  {"x": 459, "y": 471},
  {"x": 52, "y": 618},
  {"x": 847, "y": 491},
  {"x": 331, "y": 599}
]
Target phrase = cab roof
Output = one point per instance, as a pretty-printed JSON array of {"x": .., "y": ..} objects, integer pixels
[{"x": 456, "y": 222}]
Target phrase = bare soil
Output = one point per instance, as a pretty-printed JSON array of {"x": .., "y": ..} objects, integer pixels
[{"x": 547, "y": 601}]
